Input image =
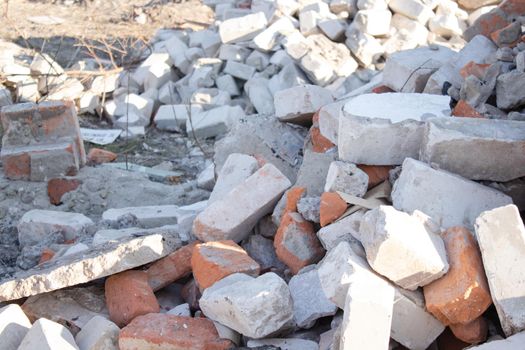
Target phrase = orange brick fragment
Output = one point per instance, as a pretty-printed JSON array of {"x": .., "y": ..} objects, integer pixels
[
  {"x": 161, "y": 331},
  {"x": 56, "y": 188},
  {"x": 212, "y": 261},
  {"x": 382, "y": 89},
  {"x": 463, "y": 109},
  {"x": 474, "y": 332},
  {"x": 462, "y": 295},
  {"x": 376, "y": 173},
  {"x": 47, "y": 254},
  {"x": 332, "y": 207},
  {"x": 292, "y": 197},
  {"x": 129, "y": 295},
  {"x": 171, "y": 268},
  {"x": 99, "y": 156},
  {"x": 320, "y": 144},
  {"x": 513, "y": 8},
  {"x": 296, "y": 243},
  {"x": 476, "y": 69}
]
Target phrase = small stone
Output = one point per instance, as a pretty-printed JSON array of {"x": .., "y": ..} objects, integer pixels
[
  {"x": 98, "y": 334},
  {"x": 213, "y": 261}
]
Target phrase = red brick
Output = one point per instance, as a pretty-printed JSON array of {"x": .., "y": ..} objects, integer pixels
[
  {"x": 17, "y": 166},
  {"x": 171, "y": 268},
  {"x": 462, "y": 295},
  {"x": 99, "y": 156},
  {"x": 332, "y": 207},
  {"x": 476, "y": 69},
  {"x": 463, "y": 109},
  {"x": 320, "y": 144},
  {"x": 382, "y": 89},
  {"x": 296, "y": 243},
  {"x": 513, "y": 8},
  {"x": 509, "y": 36},
  {"x": 56, "y": 188},
  {"x": 474, "y": 332},
  {"x": 161, "y": 331},
  {"x": 212, "y": 261},
  {"x": 488, "y": 23},
  {"x": 293, "y": 196},
  {"x": 129, "y": 295},
  {"x": 376, "y": 173}
]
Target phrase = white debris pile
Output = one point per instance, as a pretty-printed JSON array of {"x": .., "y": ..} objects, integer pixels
[{"x": 348, "y": 208}]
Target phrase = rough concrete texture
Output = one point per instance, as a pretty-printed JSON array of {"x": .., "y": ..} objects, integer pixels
[
  {"x": 478, "y": 149},
  {"x": 456, "y": 201},
  {"x": 254, "y": 307},
  {"x": 14, "y": 325},
  {"x": 98, "y": 262},
  {"x": 495, "y": 229},
  {"x": 401, "y": 248},
  {"x": 346, "y": 178},
  {"x": 299, "y": 103},
  {"x": 48, "y": 335},
  {"x": 236, "y": 213},
  {"x": 384, "y": 129},
  {"x": 98, "y": 334}
]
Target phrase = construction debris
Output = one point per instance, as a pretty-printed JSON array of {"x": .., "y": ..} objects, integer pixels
[{"x": 364, "y": 188}]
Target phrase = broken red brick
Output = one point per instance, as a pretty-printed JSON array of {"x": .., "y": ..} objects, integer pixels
[
  {"x": 514, "y": 8},
  {"x": 476, "y": 69},
  {"x": 129, "y": 295},
  {"x": 56, "y": 188},
  {"x": 462, "y": 295},
  {"x": 99, "y": 156},
  {"x": 489, "y": 22},
  {"x": 474, "y": 332},
  {"x": 376, "y": 173},
  {"x": 212, "y": 261},
  {"x": 382, "y": 89},
  {"x": 17, "y": 166},
  {"x": 171, "y": 268},
  {"x": 47, "y": 254},
  {"x": 509, "y": 36},
  {"x": 332, "y": 207},
  {"x": 293, "y": 196},
  {"x": 463, "y": 109},
  {"x": 296, "y": 243},
  {"x": 320, "y": 144},
  {"x": 161, "y": 331}
]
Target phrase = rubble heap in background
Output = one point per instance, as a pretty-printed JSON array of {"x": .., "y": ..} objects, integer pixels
[{"x": 366, "y": 189}]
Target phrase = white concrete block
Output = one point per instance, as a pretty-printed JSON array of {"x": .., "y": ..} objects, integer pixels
[
  {"x": 260, "y": 95},
  {"x": 478, "y": 149},
  {"x": 295, "y": 45},
  {"x": 329, "y": 120},
  {"x": 347, "y": 178},
  {"x": 148, "y": 217},
  {"x": 365, "y": 47},
  {"x": 401, "y": 248},
  {"x": 153, "y": 60},
  {"x": 176, "y": 49},
  {"x": 384, "y": 129},
  {"x": 214, "y": 122},
  {"x": 408, "y": 71},
  {"x": 298, "y": 104},
  {"x": 258, "y": 60},
  {"x": 309, "y": 300},
  {"x": 239, "y": 70},
  {"x": 372, "y": 4},
  {"x": 174, "y": 117},
  {"x": 232, "y": 52},
  {"x": 317, "y": 68},
  {"x": 98, "y": 334},
  {"x": 332, "y": 28},
  {"x": 367, "y": 318},
  {"x": 228, "y": 84},
  {"x": 234, "y": 215},
  {"x": 157, "y": 75},
  {"x": 280, "y": 58},
  {"x": 514, "y": 342},
  {"x": 414, "y": 9},
  {"x": 37, "y": 224},
  {"x": 254, "y": 307},
  {"x": 373, "y": 22},
  {"x": 284, "y": 343},
  {"x": 455, "y": 201},
  {"x": 14, "y": 326},
  {"x": 210, "y": 98},
  {"x": 48, "y": 335},
  {"x": 242, "y": 28},
  {"x": 347, "y": 230},
  {"x": 235, "y": 170},
  {"x": 289, "y": 76},
  {"x": 206, "y": 178},
  {"x": 501, "y": 237}
]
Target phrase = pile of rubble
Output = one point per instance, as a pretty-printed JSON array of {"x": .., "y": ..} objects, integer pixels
[{"x": 373, "y": 202}]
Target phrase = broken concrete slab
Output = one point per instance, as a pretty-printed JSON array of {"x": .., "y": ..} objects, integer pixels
[
  {"x": 237, "y": 212},
  {"x": 214, "y": 122},
  {"x": 347, "y": 178},
  {"x": 98, "y": 334},
  {"x": 242, "y": 28},
  {"x": 254, "y": 307},
  {"x": 148, "y": 216},
  {"x": 313, "y": 171},
  {"x": 497, "y": 229},
  {"x": 345, "y": 229},
  {"x": 456, "y": 201},
  {"x": 36, "y": 225},
  {"x": 298, "y": 104},
  {"x": 475, "y": 148},
  {"x": 399, "y": 247},
  {"x": 98, "y": 262},
  {"x": 384, "y": 129}
]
